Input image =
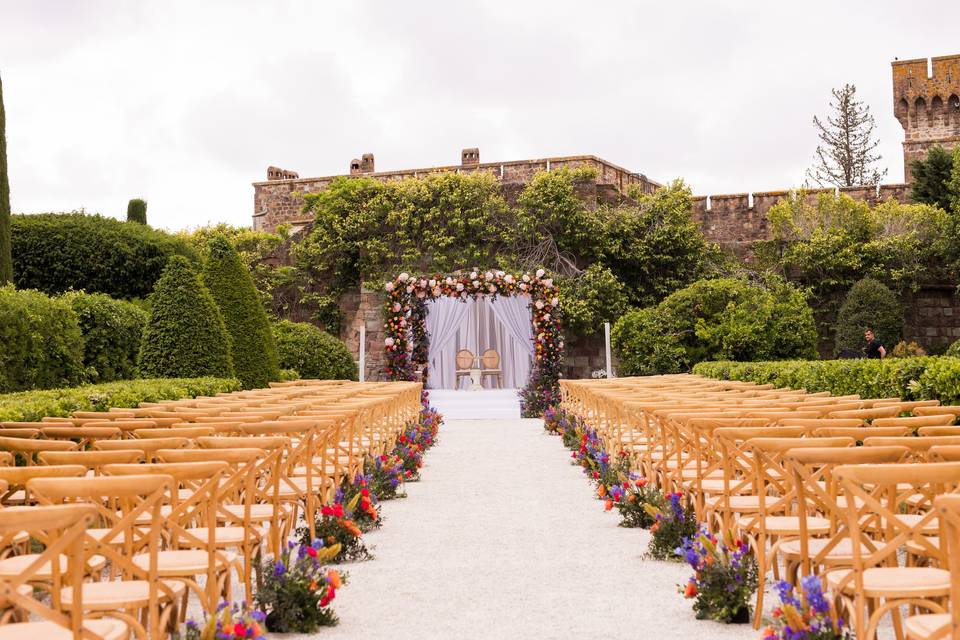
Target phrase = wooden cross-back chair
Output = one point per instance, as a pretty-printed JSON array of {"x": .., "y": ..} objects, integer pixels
[
  {"x": 94, "y": 461},
  {"x": 140, "y": 598},
  {"x": 84, "y": 436},
  {"x": 16, "y": 492},
  {"x": 943, "y": 626},
  {"x": 26, "y": 449},
  {"x": 876, "y": 585},
  {"x": 60, "y": 530},
  {"x": 147, "y": 446}
]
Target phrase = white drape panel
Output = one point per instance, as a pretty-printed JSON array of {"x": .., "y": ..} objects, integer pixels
[
  {"x": 444, "y": 318},
  {"x": 477, "y": 325}
]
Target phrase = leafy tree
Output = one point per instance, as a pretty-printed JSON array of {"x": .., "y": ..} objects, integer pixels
[
  {"x": 112, "y": 330},
  {"x": 931, "y": 178},
  {"x": 137, "y": 211},
  {"x": 185, "y": 336},
  {"x": 253, "y": 348},
  {"x": 591, "y": 298},
  {"x": 655, "y": 247},
  {"x": 869, "y": 304},
  {"x": 846, "y": 154},
  {"x": 313, "y": 353},
  {"x": 6, "y": 257}
]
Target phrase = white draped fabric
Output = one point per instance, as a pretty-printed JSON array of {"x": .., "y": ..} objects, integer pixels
[{"x": 479, "y": 327}]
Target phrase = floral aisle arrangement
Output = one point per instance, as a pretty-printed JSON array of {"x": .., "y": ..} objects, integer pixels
[
  {"x": 365, "y": 514},
  {"x": 406, "y": 340},
  {"x": 385, "y": 473},
  {"x": 232, "y": 621},
  {"x": 807, "y": 615},
  {"x": 297, "y": 588},
  {"x": 674, "y": 522},
  {"x": 724, "y": 579},
  {"x": 335, "y": 527},
  {"x": 631, "y": 497}
]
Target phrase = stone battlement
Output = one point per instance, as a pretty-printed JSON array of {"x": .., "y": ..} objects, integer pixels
[{"x": 278, "y": 200}]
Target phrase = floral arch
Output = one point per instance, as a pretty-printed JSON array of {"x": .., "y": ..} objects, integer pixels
[{"x": 407, "y": 342}]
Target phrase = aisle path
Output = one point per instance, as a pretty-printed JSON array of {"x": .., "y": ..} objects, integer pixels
[{"x": 502, "y": 539}]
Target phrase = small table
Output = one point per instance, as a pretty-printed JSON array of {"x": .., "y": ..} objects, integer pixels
[{"x": 476, "y": 380}]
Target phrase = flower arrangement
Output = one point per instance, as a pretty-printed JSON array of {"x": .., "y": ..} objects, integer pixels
[
  {"x": 809, "y": 615},
  {"x": 385, "y": 476},
  {"x": 674, "y": 522},
  {"x": 297, "y": 590},
  {"x": 598, "y": 374},
  {"x": 231, "y": 622},
  {"x": 336, "y": 528},
  {"x": 411, "y": 457},
  {"x": 406, "y": 340},
  {"x": 630, "y": 496},
  {"x": 724, "y": 579},
  {"x": 365, "y": 513}
]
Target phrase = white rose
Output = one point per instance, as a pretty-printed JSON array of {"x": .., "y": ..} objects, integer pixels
[
  {"x": 396, "y": 307},
  {"x": 500, "y": 274},
  {"x": 404, "y": 276},
  {"x": 449, "y": 280},
  {"x": 491, "y": 288},
  {"x": 473, "y": 275},
  {"x": 555, "y": 301},
  {"x": 540, "y": 273},
  {"x": 548, "y": 282},
  {"x": 489, "y": 275},
  {"x": 560, "y": 345},
  {"x": 403, "y": 323},
  {"x": 432, "y": 283},
  {"x": 409, "y": 288},
  {"x": 436, "y": 291},
  {"x": 546, "y": 316},
  {"x": 523, "y": 287},
  {"x": 526, "y": 278},
  {"x": 539, "y": 304},
  {"x": 476, "y": 283},
  {"x": 388, "y": 342},
  {"x": 459, "y": 286},
  {"x": 388, "y": 286},
  {"x": 508, "y": 279}
]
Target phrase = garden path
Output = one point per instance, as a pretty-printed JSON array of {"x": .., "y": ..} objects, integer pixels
[{"x": 502, "y": 539}]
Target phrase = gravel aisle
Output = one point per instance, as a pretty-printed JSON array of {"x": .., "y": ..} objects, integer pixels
[{"x": 502, "y": 539}]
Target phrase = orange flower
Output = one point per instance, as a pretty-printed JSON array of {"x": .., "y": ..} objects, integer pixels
[
  {"x": 334, "y": 578},
  {"x": 631, "y": 498},
  {"x": 313, "y": 585},
  {"x": 608, "y": 505},
  {"x": 601, "y": 490},
  {"x": 653, "y": 529},
  {"x": 690, "y": 591}
]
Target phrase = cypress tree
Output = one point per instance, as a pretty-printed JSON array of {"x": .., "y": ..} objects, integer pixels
[
  {"x": 185, "y": 336},
  {"x": 137, "y": 211},
  {"x": 230, "y": 283},
  {"x": 6, "y": 257}
]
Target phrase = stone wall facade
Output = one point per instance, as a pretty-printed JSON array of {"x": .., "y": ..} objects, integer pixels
[
  {"x": 279, "y": 199},
  {"x": 932, "y": 317}
]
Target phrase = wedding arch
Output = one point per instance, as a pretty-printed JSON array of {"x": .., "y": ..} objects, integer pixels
[{"x": 407, "y": 339}]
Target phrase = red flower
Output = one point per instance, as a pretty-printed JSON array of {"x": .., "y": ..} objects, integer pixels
[
  {"x": 239, "y": 630},
  {"x": 311, "y": 552},
  {"x": 691, "y": 590}
]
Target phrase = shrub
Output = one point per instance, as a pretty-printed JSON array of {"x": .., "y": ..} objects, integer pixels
[
  {"x": 31, "y": 406},
  {"x": 953, "y": 350},
  {"x": 111, "y": 334},
  {"x": 905, "y": 349},
  {"x": 137, "y": 211},
  {"x": 253, "y": 347},
  {"x": 727, "y": 316},
  {"x": 922, "y": 378},
  {"x": 59, "y": 252},
  {"x": 869, "y": 304},
  {"x": 592, "y": 298},
  {"x": 313, "y": 353},
  {"x": 42, "y": 346},
  {"x": 185, "y": 335}
]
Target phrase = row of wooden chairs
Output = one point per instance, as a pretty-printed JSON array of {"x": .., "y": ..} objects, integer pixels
[
  {"x": 138, "y": 510},
  {"x": 838, "y": 486}
]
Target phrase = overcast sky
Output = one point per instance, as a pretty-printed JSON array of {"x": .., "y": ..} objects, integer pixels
[{"x": 187, "y": 103}]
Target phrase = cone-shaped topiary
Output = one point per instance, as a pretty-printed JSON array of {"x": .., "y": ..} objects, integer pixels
[
  {"x": 137, "y": 211},
  {"x": 230, "y": 283},
  {"x": 6, "y": 259},
  {"x": 185, "y": 336},
  {"x": 869, "y": 305}
]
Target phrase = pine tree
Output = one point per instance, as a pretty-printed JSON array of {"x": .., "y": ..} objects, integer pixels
[
  {"x": 185, "y": 336},
  {"x": 230, "y": 283},
  {"x": 137, "y": 211},
  {"x": 846, "y": 155},
  {"x": 6, "y": 257},
  {"x": 931, "y": 178}
]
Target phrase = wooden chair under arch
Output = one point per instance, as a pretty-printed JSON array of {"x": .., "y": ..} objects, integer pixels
[
  {"x": 490, "y": 366},
  {"x": 464, "y": 361}
]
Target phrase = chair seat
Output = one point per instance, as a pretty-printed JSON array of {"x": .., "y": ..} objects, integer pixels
[
  {"x": 735, "y": 503},
  {"x": 893, "y": 582},
  {"x": 787, "y": 525},
  {"x": 925, "y": 625},
  {"x": 841, "y": 553},
  {"x": 15, "y": 565},
  {"x": 183, "y": 562},
  {"x": 223, "y": 536},
  {"x": 123, "y": 594},
  {"x": 258, "y": 512},
  {"x": 106, "y": 628}
]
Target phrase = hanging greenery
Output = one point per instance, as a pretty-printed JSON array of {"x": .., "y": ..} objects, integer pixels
[{"x": 407, "y": 341}]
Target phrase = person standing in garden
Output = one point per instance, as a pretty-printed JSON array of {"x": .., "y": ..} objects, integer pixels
[{"x": 874, "y": 349}]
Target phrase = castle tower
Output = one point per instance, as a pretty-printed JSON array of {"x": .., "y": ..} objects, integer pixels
[{"x": 927, "y": 104}]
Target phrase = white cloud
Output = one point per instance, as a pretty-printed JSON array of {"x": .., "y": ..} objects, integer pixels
[{"x": 187, "y": 103}]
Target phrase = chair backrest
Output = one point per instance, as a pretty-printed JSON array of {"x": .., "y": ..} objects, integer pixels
[
  {"x": 860, "y": 433},
  {"x": 490, "y": 359},
  {"x": 915, "y": 422},
  {"x": 28, "y": 447},
  {"x": 926, "y": 432},
  {"x": 18, "y": 477},
  {"x": 948, "y": 507},
  {"x": 93, "y": 460},
  {"x": 60, "y": 529},
  {"x": 464, "y": 359}
]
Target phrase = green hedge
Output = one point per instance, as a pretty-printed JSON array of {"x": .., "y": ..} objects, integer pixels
[
  {"x": 57, "y": 252},
  {"x": 313, "y": 353},
  {"x": 923, "y": 378},
  {"x": 40, "y": 342},
  {"x": 111, "y": 335},
  {"x": 34, "y": 405}
]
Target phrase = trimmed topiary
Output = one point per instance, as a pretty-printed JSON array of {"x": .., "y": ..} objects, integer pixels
[
  {"x": 313, "y": 353},
  {"x": 40, "y": 341},
  {"x": 111, "y": 334},
  {"x": 137, "y": 211},
  {"x": 254, "y": 350},
  {"x": 869, "y": 305},
  {"x": 185, "y": 336}
]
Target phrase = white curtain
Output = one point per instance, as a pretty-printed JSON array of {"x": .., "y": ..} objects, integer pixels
[
  {"x": 444, "y": 317},
  {"x": 478, "y": 327}
]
